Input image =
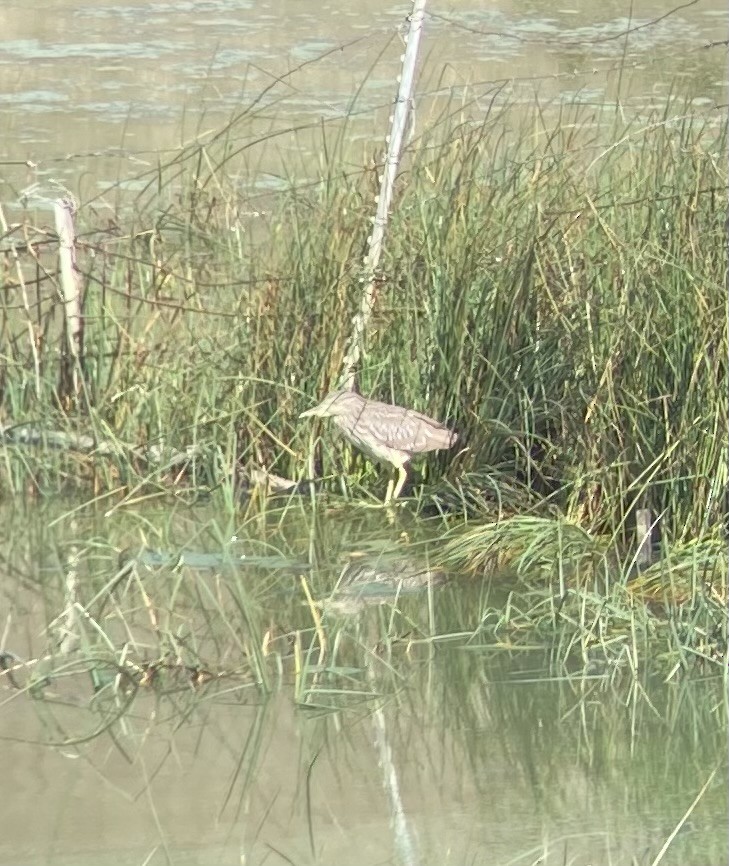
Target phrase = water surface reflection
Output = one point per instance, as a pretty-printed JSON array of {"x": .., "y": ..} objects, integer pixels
[{"x": 419, "y": 752}]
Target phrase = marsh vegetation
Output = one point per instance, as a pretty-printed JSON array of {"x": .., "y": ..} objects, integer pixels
[{"x": 557, "y": 293}]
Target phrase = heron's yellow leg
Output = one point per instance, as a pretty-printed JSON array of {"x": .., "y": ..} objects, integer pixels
[
  {"x": 388, "y": 494},
  {"x": 402, "y": 478}
]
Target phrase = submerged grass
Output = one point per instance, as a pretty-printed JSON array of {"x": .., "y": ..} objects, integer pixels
[
  {"x": 177, "y": 603},
  {"x": 163, "y": 656}
]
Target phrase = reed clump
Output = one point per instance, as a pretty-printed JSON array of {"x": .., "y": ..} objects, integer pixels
[{"x": 559, "y": 296}]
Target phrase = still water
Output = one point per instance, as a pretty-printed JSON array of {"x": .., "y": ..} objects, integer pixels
[
  {"x": 206, "y": 715},
  {"x": 92, "y": 93},
  {"x": 192, "y": 713}
]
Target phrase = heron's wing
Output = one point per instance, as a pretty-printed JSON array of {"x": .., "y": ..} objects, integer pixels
[{"x": 408, "y": 430}]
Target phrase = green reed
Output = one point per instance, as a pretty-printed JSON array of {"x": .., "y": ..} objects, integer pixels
[{"x": 558, "y": 295}]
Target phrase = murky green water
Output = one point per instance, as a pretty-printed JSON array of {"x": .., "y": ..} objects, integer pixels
[
  {"x": 200, "y": 712},
  {"x": 92, "y": 92}
]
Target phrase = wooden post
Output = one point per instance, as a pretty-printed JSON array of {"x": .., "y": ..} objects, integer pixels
[
  {"x": 65, "y": 208},
  {"x": 643, "y": 537},
  {"x": 361, "y": 320}
]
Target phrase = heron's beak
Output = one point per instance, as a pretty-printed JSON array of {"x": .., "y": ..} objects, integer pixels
[{"x": 310, "y": 413}]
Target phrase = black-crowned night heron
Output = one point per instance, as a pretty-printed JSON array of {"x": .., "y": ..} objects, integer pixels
[{"x": 386, "y": 433}]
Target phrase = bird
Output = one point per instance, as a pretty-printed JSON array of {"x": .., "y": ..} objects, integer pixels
[{"x": 384, "y": 432}]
